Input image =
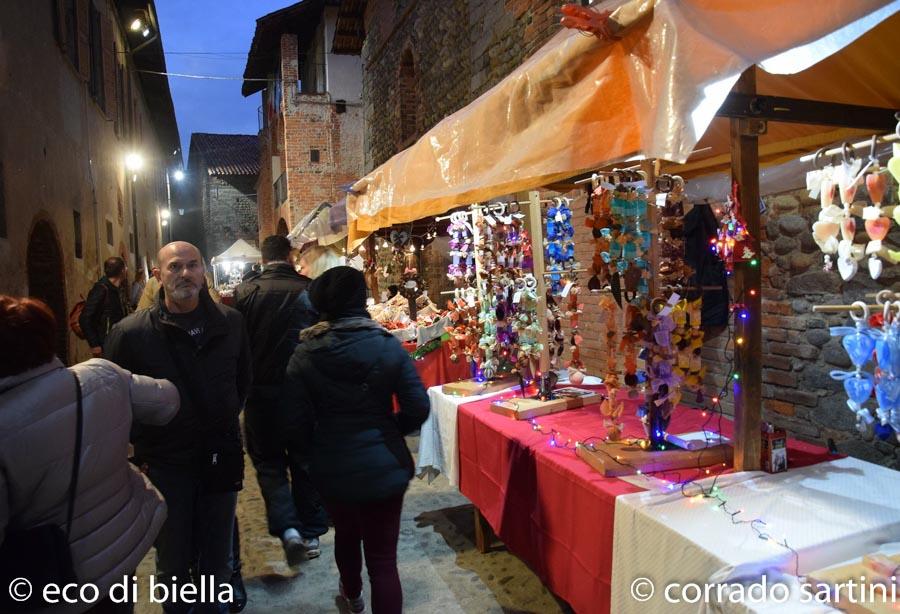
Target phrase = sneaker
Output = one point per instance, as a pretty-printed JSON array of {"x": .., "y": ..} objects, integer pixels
[
  {"x": 311, "y": 545},
  {"x": 292, "y": 543},
  {"x": 356, "y": 605}
]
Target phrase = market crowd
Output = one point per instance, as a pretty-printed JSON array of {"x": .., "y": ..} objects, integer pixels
[{"x": 142, "y": 445}]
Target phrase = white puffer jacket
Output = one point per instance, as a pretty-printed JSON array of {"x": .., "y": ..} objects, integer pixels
[{"x": 117, "y": 512}]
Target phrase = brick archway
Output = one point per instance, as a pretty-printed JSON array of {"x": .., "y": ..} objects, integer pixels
[
  {"x": 47, "y": 279},
  {"x": 282, "y": 229}
]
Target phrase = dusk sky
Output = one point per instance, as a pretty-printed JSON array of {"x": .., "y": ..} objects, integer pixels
[{"x": 211, "y": 37}]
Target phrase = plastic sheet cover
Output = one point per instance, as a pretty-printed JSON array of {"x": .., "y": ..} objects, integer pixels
[{"x": 579, "y": 104}]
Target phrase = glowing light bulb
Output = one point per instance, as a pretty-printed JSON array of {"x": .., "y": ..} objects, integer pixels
[{"x": 740, "y": 341}]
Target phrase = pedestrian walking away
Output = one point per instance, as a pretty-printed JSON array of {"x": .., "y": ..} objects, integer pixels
[
  {"x": 345, "y": 372},
  {"x": 276, "y": 310}
]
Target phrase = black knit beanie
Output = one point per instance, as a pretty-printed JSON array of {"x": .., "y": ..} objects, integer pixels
[{"x": 339, "y": 293}]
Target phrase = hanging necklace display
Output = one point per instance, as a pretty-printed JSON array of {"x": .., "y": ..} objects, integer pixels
[
  {"x": 663, "y": 392},
  {"x": 608, "y": 312},
  {"x": 559, "y": 242},
  {"x": 673, "y": 271},
  {"x": 556, "y": 341},
  {"x": 461, "y": 270},
  {"x": 859, "y": 343},
  {"x": 601, "y": 225},
  {"x": 509, "y": 340},
  {"x": 573, "y": 311},
  {"x": 630, "y": 240}
]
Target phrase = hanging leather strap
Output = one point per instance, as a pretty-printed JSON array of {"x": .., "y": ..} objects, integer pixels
[{"x": 76, "y": 459}]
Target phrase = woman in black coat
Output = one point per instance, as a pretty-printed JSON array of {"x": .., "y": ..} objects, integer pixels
[{"x": 345, "y": 372}]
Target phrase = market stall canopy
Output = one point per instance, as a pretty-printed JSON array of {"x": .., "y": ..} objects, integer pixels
[
  {"x": 239, "y": 250},
  {"x": 324, "y": 225},
  {"x": 579, "y": 104}
]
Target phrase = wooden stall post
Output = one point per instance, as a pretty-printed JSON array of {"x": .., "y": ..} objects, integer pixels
[
  {"x": 650, "y": 168},
  {"x": 534, "y": 225},
  {"x": 747, "y": 277}
]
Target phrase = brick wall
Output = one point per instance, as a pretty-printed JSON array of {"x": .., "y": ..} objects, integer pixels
[
  {"x": 229, "y": 212},
  {"x": 460, "y": 49},
  {"x": 306, "y": 122}
]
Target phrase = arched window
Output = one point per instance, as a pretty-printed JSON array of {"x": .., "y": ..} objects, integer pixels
[{"x": 409, "y": 98}]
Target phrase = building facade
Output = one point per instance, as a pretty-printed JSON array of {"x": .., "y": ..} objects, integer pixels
[
  {"x": 311, "y": 128},
  {"x": 71, "y": 77},
  {"x": 223, "y": 171}
]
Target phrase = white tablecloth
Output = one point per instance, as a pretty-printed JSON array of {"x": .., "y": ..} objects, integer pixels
[
  {"x": 438, "y": 443},
  {"x": 828, "y": 513},
  {"x": 438, "y": 447}
]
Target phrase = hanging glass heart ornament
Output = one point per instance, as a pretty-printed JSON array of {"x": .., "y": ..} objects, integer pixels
[
  {"x": 859, "y": 343},
  {"x": 826, "y": 229},
  {"x": 877, "y": 226}
]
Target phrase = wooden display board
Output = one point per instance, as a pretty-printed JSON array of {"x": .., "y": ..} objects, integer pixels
[
  {"x": 471, "y": 388},
  {"x": 631, "y": 458},
  {"x": 525, "y": 409}
]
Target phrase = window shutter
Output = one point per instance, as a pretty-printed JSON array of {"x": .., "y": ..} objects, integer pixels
[
  {"x": 84, "y": 49},
  {"x": 109, "y": 67}
]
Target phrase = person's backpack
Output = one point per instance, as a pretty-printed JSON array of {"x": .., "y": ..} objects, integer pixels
[{"x": 75, "y": 316}]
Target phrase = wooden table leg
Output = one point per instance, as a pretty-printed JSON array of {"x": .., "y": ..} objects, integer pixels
[{"x": 484, "y": 534}]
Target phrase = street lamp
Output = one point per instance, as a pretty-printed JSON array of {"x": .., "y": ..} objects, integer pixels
[{"x": 177, "y": 175}]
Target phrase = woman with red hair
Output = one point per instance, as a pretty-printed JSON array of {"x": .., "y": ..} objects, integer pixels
[{"x": 64, "y": 458}]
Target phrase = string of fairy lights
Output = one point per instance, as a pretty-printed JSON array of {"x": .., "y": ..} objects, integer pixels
[{"x": 692, "y": 488}]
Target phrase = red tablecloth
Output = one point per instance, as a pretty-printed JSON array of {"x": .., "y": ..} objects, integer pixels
[
  {"x": 548, "y": 506},
  {"x": 435, "y": 368}
]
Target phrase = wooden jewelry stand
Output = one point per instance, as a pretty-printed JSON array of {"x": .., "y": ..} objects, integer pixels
[
  {"x": 614, "y": 459},
  {"x": 471, "y": 387},
  {"x": 525, "y": 409}
]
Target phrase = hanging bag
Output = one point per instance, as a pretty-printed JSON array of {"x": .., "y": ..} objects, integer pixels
[{"x": 41, "y": 555}]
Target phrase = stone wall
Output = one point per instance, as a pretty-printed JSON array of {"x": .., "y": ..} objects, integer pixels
[
  {"x": 62, "y": 152},
  {"x": 229, "y": 212},
  {"x": 798, "y": 351},
  {"x": 460, "y": 48}
]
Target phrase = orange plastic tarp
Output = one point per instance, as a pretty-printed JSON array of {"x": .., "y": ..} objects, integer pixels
[{"x": 579, "y": 104}]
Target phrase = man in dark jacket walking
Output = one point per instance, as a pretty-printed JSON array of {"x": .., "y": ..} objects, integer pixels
[
  {"x": 276, "y": 309},
  {"x": 105, "y": 304},
  {"x": 196, "y": 461}
]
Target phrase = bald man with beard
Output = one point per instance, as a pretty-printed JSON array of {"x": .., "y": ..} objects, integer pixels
[{"x": 196, "y": 461}]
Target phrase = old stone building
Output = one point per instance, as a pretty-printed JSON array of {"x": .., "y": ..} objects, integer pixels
[
  {"x": 223, "y": 171},
  {"x": 311, "y": 130},
  {"x": 77, "y": 104}
]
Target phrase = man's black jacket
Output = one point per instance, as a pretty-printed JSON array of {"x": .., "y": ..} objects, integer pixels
[
  {"x": 276, "y": 308},
  {"x": 104, "y": 306},
  {"x": 218, "y": 365}
]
